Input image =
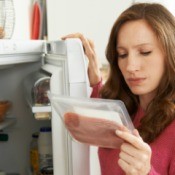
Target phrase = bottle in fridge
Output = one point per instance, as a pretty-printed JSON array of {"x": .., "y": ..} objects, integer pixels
[
  {"x": 45, "y": 149},
  {"x": 34, "y": 155}
]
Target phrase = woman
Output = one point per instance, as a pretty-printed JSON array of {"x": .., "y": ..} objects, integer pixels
[{"x": 141, "y": 55}]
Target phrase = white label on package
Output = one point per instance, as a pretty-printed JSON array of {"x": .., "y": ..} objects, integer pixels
[{"x": 94, "y": 113}]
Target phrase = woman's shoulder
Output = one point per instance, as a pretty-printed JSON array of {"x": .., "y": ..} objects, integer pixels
[
  {"x": 171, "y": 128},
  {"x": 165, "y": 141},
  {"x": 169, "y": 132}
]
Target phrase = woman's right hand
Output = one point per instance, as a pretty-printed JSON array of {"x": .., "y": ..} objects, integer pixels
[
  {"x": 135, "y": 154},
  {"x": 89, "y": 49}
]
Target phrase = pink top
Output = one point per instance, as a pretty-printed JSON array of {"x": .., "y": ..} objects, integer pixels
[{"x": 163, "y": 149}]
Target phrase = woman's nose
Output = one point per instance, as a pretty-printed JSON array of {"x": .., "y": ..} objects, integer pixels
[{"x": 133, "y": 64}]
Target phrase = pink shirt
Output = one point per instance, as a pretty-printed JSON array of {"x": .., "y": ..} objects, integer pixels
[{"x": 163, "y": 150}]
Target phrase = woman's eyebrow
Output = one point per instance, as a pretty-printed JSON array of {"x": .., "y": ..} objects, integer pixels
[{"x": 137, "y": 45}]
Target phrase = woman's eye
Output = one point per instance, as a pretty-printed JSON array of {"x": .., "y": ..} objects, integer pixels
[
  {"x": 122, "y": 55},
  {"x": 146, "y": 53}
]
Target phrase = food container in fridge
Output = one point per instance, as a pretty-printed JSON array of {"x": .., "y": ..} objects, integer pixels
[
  {"x": 5, "y": 105},
  {"x": 36, "y": 86}
]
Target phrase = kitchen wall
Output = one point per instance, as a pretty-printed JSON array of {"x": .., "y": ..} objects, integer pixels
[
  {"x": 169, "y": 4},
  {"x": 93, "y": 18}
]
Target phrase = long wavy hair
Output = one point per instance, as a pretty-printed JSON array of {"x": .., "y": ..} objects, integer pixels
[{"x": 161, "y": 110}]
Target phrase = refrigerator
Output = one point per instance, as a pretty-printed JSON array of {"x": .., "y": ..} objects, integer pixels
[{"x": 64, "y": 65}]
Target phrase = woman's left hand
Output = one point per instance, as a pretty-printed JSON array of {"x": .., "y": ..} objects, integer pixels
[{"x": 135, "y": 154}]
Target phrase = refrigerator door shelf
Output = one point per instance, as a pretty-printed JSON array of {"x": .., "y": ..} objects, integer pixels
[
  {"x": 41, "y": 112},
  {"x": 41, "y": 109}
]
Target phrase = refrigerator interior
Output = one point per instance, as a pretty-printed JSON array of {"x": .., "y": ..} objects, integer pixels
[{"x": 15, "y": 152}]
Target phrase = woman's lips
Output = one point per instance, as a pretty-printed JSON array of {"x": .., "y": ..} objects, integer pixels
[{"x": 135, "y": 81}]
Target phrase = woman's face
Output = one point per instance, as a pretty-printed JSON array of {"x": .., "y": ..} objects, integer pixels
[{"x": 140, "y": 57}]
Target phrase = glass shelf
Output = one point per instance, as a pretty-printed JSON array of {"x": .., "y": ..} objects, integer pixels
[{"x": 7, "y": 122}]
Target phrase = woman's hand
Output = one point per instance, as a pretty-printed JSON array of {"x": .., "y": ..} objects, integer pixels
[
  {"x": 89, "y": 49},
  {"x": 135, "y": 154}
]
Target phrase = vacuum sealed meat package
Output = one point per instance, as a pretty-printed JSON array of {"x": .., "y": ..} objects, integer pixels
[{"x": 92, "y": 121}]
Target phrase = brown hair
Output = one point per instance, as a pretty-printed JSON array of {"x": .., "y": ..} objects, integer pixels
[{"x": 161, "y": 111}]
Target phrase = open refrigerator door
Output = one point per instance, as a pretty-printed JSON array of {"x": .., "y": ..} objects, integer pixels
[{"x": 67, "y": 63}]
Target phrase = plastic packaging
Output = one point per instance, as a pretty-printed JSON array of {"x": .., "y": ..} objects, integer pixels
[
  {"x": 92, "y": 121},
  {"x": 34, "y": 155},
  {"x": 45, "y": 148}
]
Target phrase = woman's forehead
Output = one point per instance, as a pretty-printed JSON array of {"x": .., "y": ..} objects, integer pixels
[{"x": 137, "y": 32}]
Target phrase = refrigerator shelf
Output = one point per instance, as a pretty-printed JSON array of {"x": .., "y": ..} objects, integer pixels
[
  {"x": 7, "y": 122},
  {"x": 20, "y": 51},
  {"x": 10, "y": 59}
]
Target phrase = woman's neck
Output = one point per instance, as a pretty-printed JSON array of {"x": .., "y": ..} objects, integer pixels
[{"x": 145, "y": 100}]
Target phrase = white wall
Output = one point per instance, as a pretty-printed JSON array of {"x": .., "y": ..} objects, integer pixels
[
  {"x": 93, "y": 18},
  {"x": 22, "y": 19},
  {"x": 169, "y": 4}
]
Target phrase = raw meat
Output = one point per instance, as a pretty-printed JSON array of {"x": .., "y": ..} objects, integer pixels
[{"x": 93, "y": 131}]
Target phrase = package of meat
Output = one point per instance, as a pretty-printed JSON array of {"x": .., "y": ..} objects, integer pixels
[{"x": 92, "y": 121}]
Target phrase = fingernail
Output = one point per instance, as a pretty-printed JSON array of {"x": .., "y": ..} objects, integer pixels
[{"x": 118, "y": 132}]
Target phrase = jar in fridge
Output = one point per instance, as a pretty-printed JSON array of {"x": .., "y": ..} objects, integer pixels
[{"x": 39, "y": 91}]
